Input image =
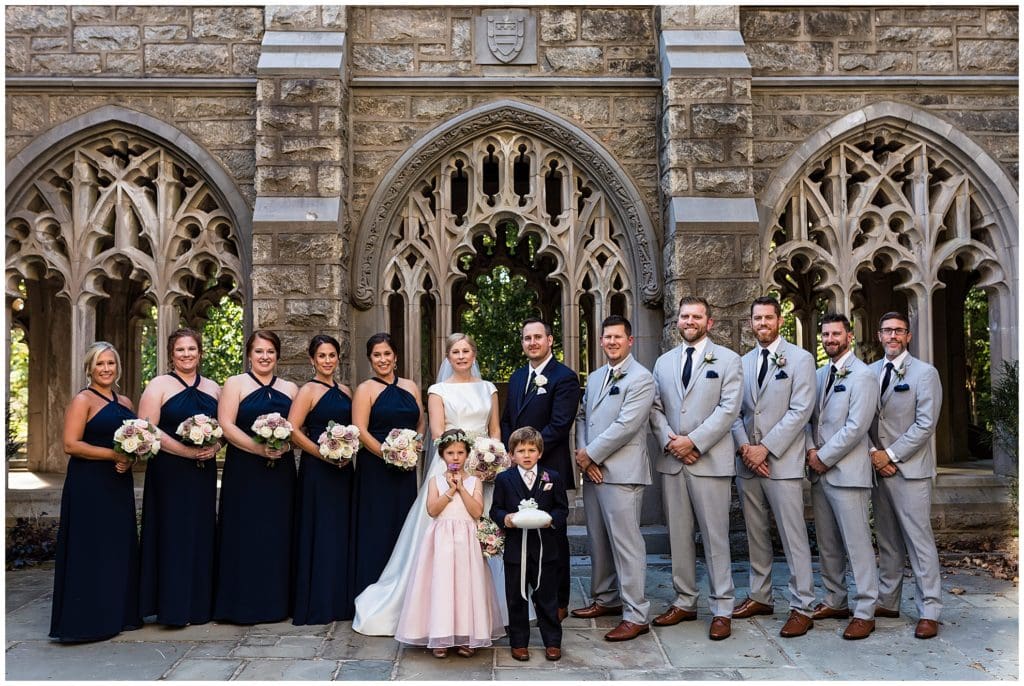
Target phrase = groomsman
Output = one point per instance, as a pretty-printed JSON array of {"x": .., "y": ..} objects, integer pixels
[
  {"x": 697, "y": 398},
  {"x": 840, "y": 473},
  {"x": 908, "y": 410},
  {"x": 611, "y": 449},
  {"x": 545, "y": 394},
  {"x": 778, "y": 399}
]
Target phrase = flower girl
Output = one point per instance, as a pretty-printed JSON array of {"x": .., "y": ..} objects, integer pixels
[{"x": 451, "y": 600}]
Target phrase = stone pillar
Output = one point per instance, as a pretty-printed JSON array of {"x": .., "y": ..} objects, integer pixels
[
  {"x": 299, "y": 277},
  {"x": 52, "y": 378},
  {"x": 711, "y": 223}
]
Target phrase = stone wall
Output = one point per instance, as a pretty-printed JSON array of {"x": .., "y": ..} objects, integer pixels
[
  {"x": 881, "y": 40},
  {"x": 437, "y": 41}
]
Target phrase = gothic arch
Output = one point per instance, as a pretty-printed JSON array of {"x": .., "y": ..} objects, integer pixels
[
  {"x": 387, "y": 200},
  {"x": 928, "y": 153}
]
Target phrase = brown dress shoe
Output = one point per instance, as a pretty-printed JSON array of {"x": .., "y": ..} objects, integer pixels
[
  {"x": 926, "y": 628},
  {"x": 673, "y": 615},
  {"x": 553, "y": 653},
  {"x": 721, "y": 627},
  {"x": 882, "y": 612},
  {"x": 796, "y": 625},
  {"x": 823, "y": 611},
  {"x": 563, "y": 612},
  {"x": 595, "y": 610},
  {"x": 750, "y": 607},
  {"x": 627, "y": 631},
  {"x": 858, "y": 628},
  {"x": 521, "y": 654}
]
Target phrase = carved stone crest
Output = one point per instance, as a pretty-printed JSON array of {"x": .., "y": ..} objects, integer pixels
[{"x": 505, "y": 36}]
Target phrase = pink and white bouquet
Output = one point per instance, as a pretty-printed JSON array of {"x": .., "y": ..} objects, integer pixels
[
  {"x": 137, "y": 438},
  {"x": 201, "y": 431},
  {"x": 273, "y": 430},
  {"x": 491, "y": 537},
  {"x": 339, "y": 443},
  {"x": 487, "y": 458},
  {"x": 402, "y": 448}
]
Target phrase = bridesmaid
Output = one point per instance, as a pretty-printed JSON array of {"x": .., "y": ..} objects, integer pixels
[
  {"x": 383, "y": 494},
  {"x": 96, "y": 580},
  {"x": 179, "y": 505},
  {"x": 323, "y": 563},
  {"x": 257, "y": 494}
]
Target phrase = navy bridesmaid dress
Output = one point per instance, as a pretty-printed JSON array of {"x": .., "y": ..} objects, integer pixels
[
  {"x": 254, "y": 532},
  {"x": 323, "y": 562},
  {"x": 96, "y": 579},
  {"x": 383, "y": 493},
  {"x": 179, "y": 522}
]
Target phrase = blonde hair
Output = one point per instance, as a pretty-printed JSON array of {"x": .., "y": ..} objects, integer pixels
[
  {"x": 450, "y": 342},
  {"x": 94, "y": 351}
]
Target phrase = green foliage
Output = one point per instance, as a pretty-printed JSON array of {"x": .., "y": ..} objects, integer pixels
[
  {"x": 1003, "y": 408},
  {"x": 17, "y": 396},
  {"x": 979, "y": 357},
  {"x": 223, "y": 342},
  {"x": 31, "y": 541},
  {"x": 501, "y": 301}
]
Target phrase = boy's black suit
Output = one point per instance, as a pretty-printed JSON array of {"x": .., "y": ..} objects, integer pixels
[{"x": 549, "y": 492}]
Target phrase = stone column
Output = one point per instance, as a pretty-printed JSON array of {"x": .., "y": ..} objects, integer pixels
[
  {"x": 299, "y": 280},
  {"x": 711, "y": 222}
]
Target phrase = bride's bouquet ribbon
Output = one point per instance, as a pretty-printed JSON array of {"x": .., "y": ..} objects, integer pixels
[{"x": 530, "y": 516}]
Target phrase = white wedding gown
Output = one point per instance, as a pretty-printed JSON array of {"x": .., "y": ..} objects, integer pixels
[{"x": 467, "y": 406}]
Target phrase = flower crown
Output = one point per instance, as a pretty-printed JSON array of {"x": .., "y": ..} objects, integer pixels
[{"x": 452, "y": 436}]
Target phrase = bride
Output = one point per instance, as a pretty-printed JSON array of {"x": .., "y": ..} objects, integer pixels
[{"x": 461, "y": 400}]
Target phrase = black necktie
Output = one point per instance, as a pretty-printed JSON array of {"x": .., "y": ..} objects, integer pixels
[
  {"x": 529, "y": 384},
  {"x": 831, "y": 378},
  {"x": 764, "y": 367},
  {"x": 688, "y": 367},
  {"x": 888, "y": 376}
]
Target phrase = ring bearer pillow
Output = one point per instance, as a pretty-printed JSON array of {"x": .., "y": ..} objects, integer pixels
[{"x": 529, "y": 517}]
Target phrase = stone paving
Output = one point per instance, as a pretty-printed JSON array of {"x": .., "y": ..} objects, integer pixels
[{"x": 977, "y": 641}]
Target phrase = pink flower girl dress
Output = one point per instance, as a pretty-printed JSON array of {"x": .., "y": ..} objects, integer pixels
[{"x": 450, "y": 600}]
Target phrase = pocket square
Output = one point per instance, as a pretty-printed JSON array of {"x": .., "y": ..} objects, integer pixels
[
  {"x": 901, "y": 388},
  {"x": 547, "y": 487},
  {"x": 614, "y": 390},
  {"x": 541, "y": 391},
  {"x": 712, "y": 374},
  {"x": 838, "y": 388},
  {"x": 782, "y": 375}
]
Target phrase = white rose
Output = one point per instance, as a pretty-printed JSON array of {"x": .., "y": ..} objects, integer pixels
[
  {"x": 196, "y": 434},
  {"x": 130, "y": 444},
  {"x": 324, "y": 450},
  {"x": 266, "y": 432},
  {"x": 540, "y": 380},
  {"x": 156, "y": 446},
  {"x": 281, "y": 432},
  {"x": 218, "y": 432},
  {"x": 201, "y": 419}
]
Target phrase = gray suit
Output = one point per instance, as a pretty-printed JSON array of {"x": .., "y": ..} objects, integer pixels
[
  {"x": 705, "y": 412},
  {"x": 775, "y": 415},
  {"x": 907, "y": 414},
  {"x": 611, "y": 426},
  {"x": 839, "y": 430}
]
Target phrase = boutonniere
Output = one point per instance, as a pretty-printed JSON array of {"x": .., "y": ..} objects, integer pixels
[
  {"x": 617, "y": 375},
  {"x": 900, "y": 388},
  {"x": 901, "y": 371},
  {"x": 842, "y": 372},
  {"x": 782, "y": 375},
  {"x": 709, "y": 358},
  {"x": 545, "y": 478},
  {"x": 540, "y": 381},
  {"x": 779, "y": 361}
]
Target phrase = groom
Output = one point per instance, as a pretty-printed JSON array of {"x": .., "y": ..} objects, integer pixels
[{"x": 545, "y": 394}]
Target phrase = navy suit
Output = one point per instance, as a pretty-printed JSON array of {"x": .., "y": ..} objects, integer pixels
[
  {"x": 549, "y": 492},
  {"x": 550, "y": 409}
]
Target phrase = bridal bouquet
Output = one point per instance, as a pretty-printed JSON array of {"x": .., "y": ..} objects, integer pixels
[
  {"x": 137, "y": 438},
  {"x": 491, "y": 537},
  {"x": 273, "y": 430},
  {"x": 487, "y": 458},
  {"x": 200, "y": 431},
  {"x": 339, "y": 443},
  {"x": 402, "y": 448}
]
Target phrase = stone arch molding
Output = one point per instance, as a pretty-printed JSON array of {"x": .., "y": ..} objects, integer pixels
[
  {"x": 895, "y": 183},
  {"x": 621, "y": 201},
  {"x": 116, "y": 192}
]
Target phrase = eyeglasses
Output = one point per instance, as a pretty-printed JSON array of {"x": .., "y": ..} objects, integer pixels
[{"x": 894, "y": 332}]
